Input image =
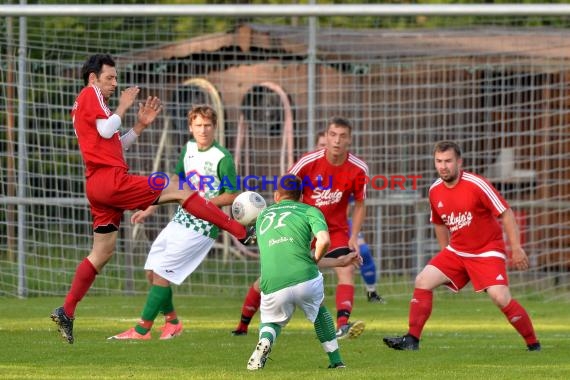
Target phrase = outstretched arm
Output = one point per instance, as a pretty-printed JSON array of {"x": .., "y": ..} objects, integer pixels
[{"x": 352, "y": 258}]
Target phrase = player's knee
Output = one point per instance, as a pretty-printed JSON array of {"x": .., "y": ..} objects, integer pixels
[
  {"x": 500, "y": 298},
  {"x": 424, "y": 281},
  {"x": 500, "y": 295},
  {"x": 419, "y": 281},
  {"x": 99, "y": 257}
]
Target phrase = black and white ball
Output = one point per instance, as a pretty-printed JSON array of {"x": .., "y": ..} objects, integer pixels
[{"x": 247, "y": 206}]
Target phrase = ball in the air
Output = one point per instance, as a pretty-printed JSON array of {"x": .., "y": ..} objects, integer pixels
[{"x": 247, "y": 206}]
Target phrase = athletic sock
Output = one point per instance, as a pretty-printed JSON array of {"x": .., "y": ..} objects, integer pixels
[
  {"x": 324, "y": 327},
  {"x": 520, "y": 320},
  {"x": 420, "y": 311},
  {"x": 204, "y": 209},
  {"x": 270, "y": 331},
  {"x": 368, "y": 268},
  {"x": 171, "y": 318},
  {"x": 84, "y": 277},
  {"x": 250, "y": 306},
  {"x": 344, "y": 302},
  {"x": 168, "y": 310},
  {"x": 154, "y": 301}
]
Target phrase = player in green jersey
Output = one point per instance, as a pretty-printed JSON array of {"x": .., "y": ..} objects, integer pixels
[
  {"x": 184, "y": 243},
  {"x": 290, "y": 277}
]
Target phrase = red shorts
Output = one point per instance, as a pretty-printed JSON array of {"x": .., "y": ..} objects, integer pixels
[
  {"x": 339, "y": 239},
  {"x": 483, "y": 272},
  {"x": 112, "y": 190}
]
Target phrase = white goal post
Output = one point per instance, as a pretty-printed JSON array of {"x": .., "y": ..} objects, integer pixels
[
  {"x": 493, "y": 77},
  {"x": 299, "y": 10}
]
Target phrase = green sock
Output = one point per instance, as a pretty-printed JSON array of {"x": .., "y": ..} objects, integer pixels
[
  {"x": 270, "y": 331},
  {"x": 324, "y": 327},
  {"x": 168, "y": 307},
  {"x": 154, "y": 301}
]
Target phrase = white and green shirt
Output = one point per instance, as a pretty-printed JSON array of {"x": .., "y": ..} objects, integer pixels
[{"x": 211, "y": 172}]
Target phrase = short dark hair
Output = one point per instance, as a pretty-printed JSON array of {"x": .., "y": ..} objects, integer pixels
[
  {"x": 94, "y": 64},
  {"x": 341, "y": 122},
  {"x": 445, "y": 145},
  {"x": 290, "y": 187},
  {"x": 204, "y": 110}
]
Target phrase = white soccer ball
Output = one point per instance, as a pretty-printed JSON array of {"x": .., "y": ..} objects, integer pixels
[{"x": 247, "y": 206}]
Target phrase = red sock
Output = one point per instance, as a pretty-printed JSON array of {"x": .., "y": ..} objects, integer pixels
[
  {"x": 344, "y": 302},
  {"x": 420, "y": 310},
  {"x": 82, "y": 281},
  {"x": 204, "y": 209},
  {"x": 171, "y": 317},
  {"x": 518, "y": 317},
  {"x": 249, "y": 308}
]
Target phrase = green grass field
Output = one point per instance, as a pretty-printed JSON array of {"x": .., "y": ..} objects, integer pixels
[{"x": 466, "y": 338}]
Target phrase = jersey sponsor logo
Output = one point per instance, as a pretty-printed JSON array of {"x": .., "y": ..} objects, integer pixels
[
  {"x": 326, "y": 197},
  {"x": 456, "y": 222},
  {"x": 282, "y": 239}
]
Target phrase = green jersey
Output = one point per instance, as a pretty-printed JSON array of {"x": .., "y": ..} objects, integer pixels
[
  {"x": 211, "y": 172},
  {"x": 285, "y": 231}
]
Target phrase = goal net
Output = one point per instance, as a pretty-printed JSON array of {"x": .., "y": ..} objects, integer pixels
[{"x": 498, "y": 85}]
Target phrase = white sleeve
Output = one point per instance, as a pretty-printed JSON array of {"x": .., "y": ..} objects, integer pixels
[
  {"x": 108, "y": 127},
  {"x": 128, "y": 139}
]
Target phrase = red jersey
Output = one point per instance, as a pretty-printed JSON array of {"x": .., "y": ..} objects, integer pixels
[
  {"x": 96, "y": 150},
  {"x": 469, "y": 210},
  {"x": 329, "y": 187}
]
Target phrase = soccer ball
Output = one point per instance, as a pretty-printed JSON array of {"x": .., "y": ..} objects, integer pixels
[{"x": 247, "y": 206}]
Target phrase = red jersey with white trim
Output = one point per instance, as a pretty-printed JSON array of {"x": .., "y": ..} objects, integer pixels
[
  {"x": 469, "y": 210},
  {"x": 329, "y": 187},
  {"x": 96, "y": 150}
]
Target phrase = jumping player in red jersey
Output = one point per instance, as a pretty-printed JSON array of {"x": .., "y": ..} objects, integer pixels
[
  {"x": 464, "y": 211},
  {"x": 110, "y": 188},
  {"x": 333, "y": 175}
]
